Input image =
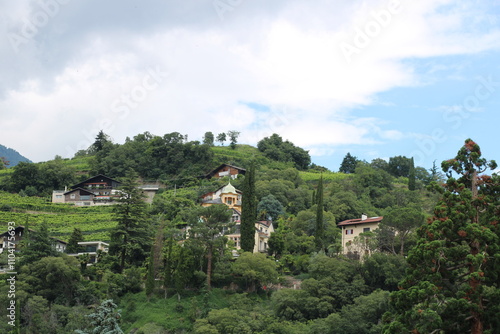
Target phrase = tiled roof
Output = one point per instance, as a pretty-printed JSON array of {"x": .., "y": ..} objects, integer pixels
[{"x": 360, "y": 221}]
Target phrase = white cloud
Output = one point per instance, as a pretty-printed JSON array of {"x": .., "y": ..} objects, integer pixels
[{"x": 286, "y": 56}]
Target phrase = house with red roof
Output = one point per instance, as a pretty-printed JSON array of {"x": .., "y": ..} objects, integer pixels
[{"x": 352, "y": 228}]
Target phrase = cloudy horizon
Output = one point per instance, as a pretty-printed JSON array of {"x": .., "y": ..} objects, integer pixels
[{"x": 374, "y": 78}]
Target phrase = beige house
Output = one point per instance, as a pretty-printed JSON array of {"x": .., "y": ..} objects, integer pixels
[
  {"x": 263, "y": 230},
  {"x": 352, "y": 228},
  {"x": 231, "y": 197}
]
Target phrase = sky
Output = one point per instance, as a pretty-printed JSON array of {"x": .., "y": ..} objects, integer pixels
[{"x": 374, "y": 78}]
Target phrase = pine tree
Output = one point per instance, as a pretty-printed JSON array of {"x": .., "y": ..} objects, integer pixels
[
  {"x": 104, "y": 319},
  {"x": 320, "y": 228},
  {"x": 452, "y": 283},
  {"x": 248, "y": 211},
  {"x": 73, "y": 247},
  {"x": 130, "y": 239},
  {"x": 36, "y": 245},
  {"x": 411, "y": 176}
]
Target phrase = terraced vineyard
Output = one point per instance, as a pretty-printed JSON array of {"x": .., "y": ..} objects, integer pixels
[{"x": 95, "y": 222}]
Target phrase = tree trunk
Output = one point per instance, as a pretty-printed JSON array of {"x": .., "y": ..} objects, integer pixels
[
  {"x": 123, "y": 253},
  {"x": 209, "y": 268}
]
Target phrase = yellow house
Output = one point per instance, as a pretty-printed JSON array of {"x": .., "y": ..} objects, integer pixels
[
  {"x": 352, "y": 228},
  {"x": 228, "y": 195},
  {"x": 231, "y": 197}
]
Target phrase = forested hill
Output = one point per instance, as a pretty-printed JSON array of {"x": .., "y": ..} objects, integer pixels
[
  {"x": 171, "y": 269},
  {"x": 11, "y": 156}
]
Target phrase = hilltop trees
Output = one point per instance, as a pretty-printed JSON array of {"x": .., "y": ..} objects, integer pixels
[
  {"x": 233, "y": 138},
  {"x": 276, "y": 149},
  {"x": 452, "y": 283},
  {"x": 348, "y": 165},
  {"x": 154, "y": 157},
  {"x": 208, "y": 138}
]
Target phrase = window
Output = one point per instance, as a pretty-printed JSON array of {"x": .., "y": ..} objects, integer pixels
[
  {"x": 72, "y": 196},
  {"x": 366, "y": 229},
  {"x": 85, "y": 197},
  {"x": 58, "y": 196},
  {"x": 351, "y": 231}
]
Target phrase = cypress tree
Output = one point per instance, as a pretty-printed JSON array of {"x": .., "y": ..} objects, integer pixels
[
  {"x": 248, "y": 211},
  {"x": 320, "y": 229},
  {"x": 411, "y": 176}
]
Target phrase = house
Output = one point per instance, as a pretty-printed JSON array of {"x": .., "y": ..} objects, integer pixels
[
  {"x": 98, "y": 190},
  {"x": 92, "y": 248},
  {"x": 7, "y": 243},
  {"x": 100, "y": 185},
  {"x": 352, "y": 228},
  {"x": 226, "y": 170},
  {"x": 231, "y": 197},
  {"x": 227, "y": 194}
]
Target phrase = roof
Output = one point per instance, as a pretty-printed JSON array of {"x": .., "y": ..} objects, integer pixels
[
  {"x": 33, "y": 231},
  {"x": 220, "y": 188},
  {"x": 229, "y": 189},
  {"x": 360, "y": 221},
  {"x": 81, "y": 189},
  {"x": 212, "y": 173},
  {"x": 266, "y": 223},
  {"x": 92, "y": 178}
]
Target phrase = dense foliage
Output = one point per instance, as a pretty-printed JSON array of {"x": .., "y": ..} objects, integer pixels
[
  {"x": 452, "y": 283},
  {"x": 172, "y": 269}
]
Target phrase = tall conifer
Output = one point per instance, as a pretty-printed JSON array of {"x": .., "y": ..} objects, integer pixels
[
  {"x": 248, "y": 211},
  {"x": 451, "y": 285},
  {"x": 130, "y": 239},
  {"x": 411, "y": 176}
]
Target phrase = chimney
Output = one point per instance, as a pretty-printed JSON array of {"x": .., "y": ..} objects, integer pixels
[{"x": 363, "y": 217}]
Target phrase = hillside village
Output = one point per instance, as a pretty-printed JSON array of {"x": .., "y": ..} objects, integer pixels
[{"x": 179, "y": 248}]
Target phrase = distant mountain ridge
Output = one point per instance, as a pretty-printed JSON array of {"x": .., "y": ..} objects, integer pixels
[{"x": 12, "y": 156}]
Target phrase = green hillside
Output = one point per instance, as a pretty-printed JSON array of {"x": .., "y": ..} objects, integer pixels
[{"x": 95, "y": 222}]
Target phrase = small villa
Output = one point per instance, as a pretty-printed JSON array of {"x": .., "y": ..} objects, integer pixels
[
  {"x": 231, "y": 197},
  {"x": 352, "y": 228}
]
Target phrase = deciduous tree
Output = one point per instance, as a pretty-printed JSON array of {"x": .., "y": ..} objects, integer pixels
[{"x": 207, "y": 229}]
